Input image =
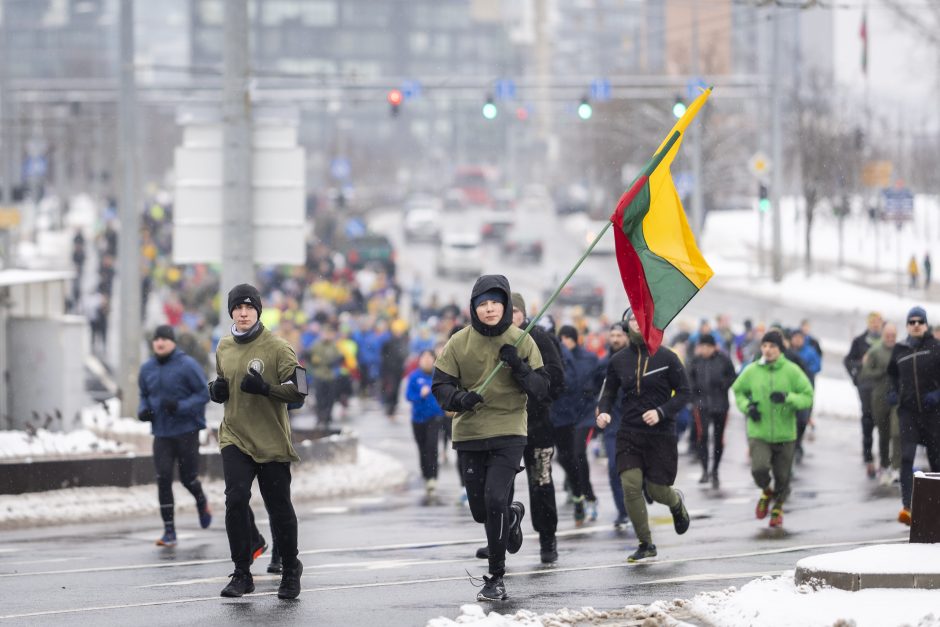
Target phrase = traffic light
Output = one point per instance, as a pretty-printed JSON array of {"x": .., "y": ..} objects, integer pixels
[
  {"x": 585, "y": 110},
  {"x": 394, "y": 100},
  {"x": 678, "y": 108},
  {"x": 490, "y": 111},
  {"x": 763, "y": 198}
]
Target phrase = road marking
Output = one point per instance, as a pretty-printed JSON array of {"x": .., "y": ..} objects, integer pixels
[{"x": 329, "y": 510}]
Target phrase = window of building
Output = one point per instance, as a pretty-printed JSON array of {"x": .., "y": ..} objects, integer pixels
[
  {"x": 419, "y": 42},
  {"x": 211, "y": 12},
  {"x": 375, "y": 14},
  {"x": 311, "y": 12}
]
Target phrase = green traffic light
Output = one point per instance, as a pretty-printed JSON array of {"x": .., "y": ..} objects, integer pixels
[
  {"x": 585, "y": 111},
  {"x": 763, "y": 205},
  {"x": 678, "y": 109},
  {"x": 490, "y": 111}
]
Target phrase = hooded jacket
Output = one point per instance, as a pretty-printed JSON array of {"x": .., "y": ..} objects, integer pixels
[
  {"x": 466, "y": 361},
  {"x": 756, "y": 383},
  {"x": 915, "y": 372},
  {"x": 178, "y": 378},
  {"x": 645, "y": 382}
]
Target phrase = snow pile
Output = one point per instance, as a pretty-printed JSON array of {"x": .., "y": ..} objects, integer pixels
[
  {"x": 658, "y": 614},
  {"x": 52, "y": 444},
  {"x": 835, "y": 398},
  {"x": 879, "y": 559},
  {"x": 778, "y": 602},
  {"x": 373, "y": 471}
]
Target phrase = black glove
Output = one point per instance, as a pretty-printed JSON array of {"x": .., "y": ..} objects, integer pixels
[
  {"x": 254, "y": 384},
  {"x": 753, "y": 412},
  {"x": 469, "y": 400},
  {"x": 510, "y": 356},
  {"x": 170, "y": 406},
  {"x": 778, "y": 397},
  {"x": 145, "y": 416},
  {"x": 218, "y": 390}
]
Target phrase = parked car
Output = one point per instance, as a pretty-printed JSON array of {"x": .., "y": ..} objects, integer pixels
[
  {"x": 495, "y": 225},
  {"x": 369, "y": 250},
  {"x": 460, "y": 254},
  {"x": 584, "y": 291},
  {"x": 422, "y": 224},
  {"x": 523, "y": 247}
]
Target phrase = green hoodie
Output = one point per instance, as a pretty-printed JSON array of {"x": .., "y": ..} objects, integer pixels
[
  {"x": 258, "y": 425},
  {"x": 778, "y": 420}
]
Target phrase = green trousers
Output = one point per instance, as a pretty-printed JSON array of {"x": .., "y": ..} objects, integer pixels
[
  {"x": 632, "y": 482},
  {"x": 774, "y": 459}
]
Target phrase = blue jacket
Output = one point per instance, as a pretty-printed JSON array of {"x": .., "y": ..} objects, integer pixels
[
  {"x": 811, "y": 360},
  {"x": 576, "y": 404},
  {"x": 180, "y": 379},
  {"x": 422, "y": 409}
]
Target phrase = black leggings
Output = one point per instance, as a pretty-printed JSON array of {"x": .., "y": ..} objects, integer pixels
[
  {"x": 183, "y": 450},
  {"x": 489, "y": 478},
  {"x": 538, "y": 464},
  {"x": 717, "y": 420},
  {"x": 572, "y": 455},
  {"x": 426, "y": 435},
  {"x": 274, "y": 480}
]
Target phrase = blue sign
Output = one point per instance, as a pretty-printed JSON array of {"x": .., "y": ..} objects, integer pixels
[
  {"x": 600, "y": 90},
  {"x": 684, "y": 182},
  {"x": 340, "y": 168},
  {"x": 694, "y": 87},
  {"x": 410, "y": 89},
  {"x": 354, "y": 228},
  {"x": 897, "y": 204},
  {"x": 35, "y": 167},
  {"x": 505, "y": 89}
]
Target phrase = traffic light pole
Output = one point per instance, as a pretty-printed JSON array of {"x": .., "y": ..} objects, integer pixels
[
  {"x": 776, "y": 147},
  {"x": 698, "y": 200}
]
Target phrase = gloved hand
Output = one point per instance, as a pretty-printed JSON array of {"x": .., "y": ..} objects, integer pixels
[
  {"x": 170, "y": 405},
  {"x": 892, "y": 398},
  {"x": 510, "y": 356},
  {"x": 254, "y": 384},
  {"x": 753, "y": 412},
  {"x": 469, "y": 400},
  {"x": 778, "y": 397},
  {"x": 145, "y": 416},
  {"x": 932, "y": 399},
  {"x": 218, "y": 390}
]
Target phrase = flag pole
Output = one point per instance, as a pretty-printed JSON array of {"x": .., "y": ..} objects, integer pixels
[{"x": 548, "y": 303}]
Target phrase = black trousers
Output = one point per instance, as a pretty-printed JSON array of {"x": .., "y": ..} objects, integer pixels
[
  {"x": 716, "y": 420},
  {"x": 538, "y": 464},
  {"x": 572, "y": 455},
  {"x": 426, "y": 436},
  {"x": 489, "y": 477},
  {"x": 183, "y": 452},
  {"x": 274, "y": 479},
  {"x": 868, "y": 423},
  {"x": 917, "y": 430},
  {"x": 326, "y": 397}
]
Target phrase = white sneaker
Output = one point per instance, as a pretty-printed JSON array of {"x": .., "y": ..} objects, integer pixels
[{"x": 884, "y": 477}]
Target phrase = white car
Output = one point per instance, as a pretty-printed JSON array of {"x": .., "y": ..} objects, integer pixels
[
  {"x": 460, "y": 254},
  {"x": 423, "y": 224},
  {"x": 606, "y": 244}
]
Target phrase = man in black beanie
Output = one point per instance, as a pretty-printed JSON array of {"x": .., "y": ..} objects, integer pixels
[{"x": 258, "y": 375}]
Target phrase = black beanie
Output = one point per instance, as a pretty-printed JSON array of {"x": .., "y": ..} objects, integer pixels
[
  {"x": 164, "y": 331},
  {"x": 774, "y": 337},
  {"x": 569, "y": 332},
  {"x": 244, "y": 293}
]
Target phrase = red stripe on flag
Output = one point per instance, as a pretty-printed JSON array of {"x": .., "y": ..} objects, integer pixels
[{"x": 638, "y": 292}]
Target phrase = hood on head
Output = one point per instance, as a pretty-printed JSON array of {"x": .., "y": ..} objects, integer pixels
[{"x": 486, "y": 283}]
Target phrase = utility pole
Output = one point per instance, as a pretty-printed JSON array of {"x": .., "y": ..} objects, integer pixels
[
  {"x": 6, "y": 132},
  {"x": 776, "y": 147},
  {"x": 237, "y": 214},
  {"x": 128, "y": 241},
  {"x": 698, "y": 200}
]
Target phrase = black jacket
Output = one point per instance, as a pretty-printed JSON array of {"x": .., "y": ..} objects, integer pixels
[
  {"x": 541, "y": 433},
  {"x": 853, "y": 361},
  {"x": 914, "y": 370},
  {"x": 646, "y": 382},
  {"x": 710, "y": 380}
]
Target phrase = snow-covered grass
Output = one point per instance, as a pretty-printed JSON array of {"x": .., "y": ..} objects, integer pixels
[{"x": 373, "y": 471}]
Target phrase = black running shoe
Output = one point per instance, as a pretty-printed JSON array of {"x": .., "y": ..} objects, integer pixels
[
  {"x": 680, "y": 516},
  {"x": 483, "y": 553},
  {"x": 493, "y": 589},
  {"x": 548, "y": 549},
  {"x": 644, "y": 551},
  {"x": 275, "y": 566},
  {"x": 290, "y": 582},
  {"x": 241, "y": 584},
  {"x": 514, "y": 542}
]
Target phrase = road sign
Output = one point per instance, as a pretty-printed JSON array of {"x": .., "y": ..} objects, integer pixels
[
  {"x": 897, "y": 205},
  {"x": 877, "y": 173},
  {"x": 694, "y": 87},
  {"x": 35, "y": 167},
  {"x": 759, "y": 164},
  {"x": 340, "y": 168},
  {"x": 505, "y": 89},
  {"x": 600, "y": 90},
  {"x": 9, "y": 217},
  {"x": 410, "y": 89},
  {"x": 684, "y": 182}
]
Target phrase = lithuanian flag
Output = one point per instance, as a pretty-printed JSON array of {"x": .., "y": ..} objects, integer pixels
[{"x": 660, "y": 265}]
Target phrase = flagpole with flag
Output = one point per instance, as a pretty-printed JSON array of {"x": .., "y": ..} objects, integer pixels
[{"x": 668, "y": 245}]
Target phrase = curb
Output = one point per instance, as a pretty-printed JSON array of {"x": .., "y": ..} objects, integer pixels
[{"x": 906, "y": 566}]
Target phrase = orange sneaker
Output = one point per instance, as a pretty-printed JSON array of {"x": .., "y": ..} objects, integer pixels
[
  {"x": 259, "y": 549},
  {"x": 904, "y": 516},
  {"x": 763, "y": 503}
]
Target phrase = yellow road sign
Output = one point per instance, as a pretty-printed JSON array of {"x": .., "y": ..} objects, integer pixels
[{"x": 9, "y": 217}]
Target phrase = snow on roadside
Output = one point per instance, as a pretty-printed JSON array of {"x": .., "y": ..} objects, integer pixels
[
  {"x": 372, "y": 471},
  {"x": 658, "y": 614},
  {"x": 54, "y": 444}
]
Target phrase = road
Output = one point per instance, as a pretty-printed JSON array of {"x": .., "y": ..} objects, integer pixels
[{"x": 384, "y": 560}]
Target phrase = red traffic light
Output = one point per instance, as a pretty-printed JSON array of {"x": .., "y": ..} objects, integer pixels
[{"x": 394, "y": 97}]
